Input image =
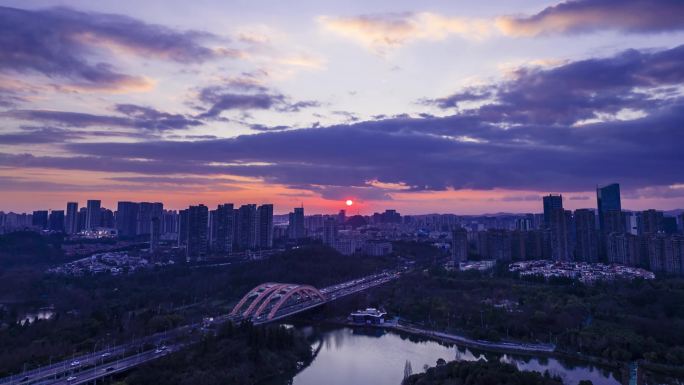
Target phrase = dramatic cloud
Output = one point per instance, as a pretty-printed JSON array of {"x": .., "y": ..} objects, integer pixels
[
  {"x": 138, "y": 117},
  {"x": 417, "y": 153},
  {"x": 589, "y": 15},
  {"x": 62, "y": 42},
  {"x": 247, "y": 96},
  {"x": 383, "y": 32},
  {"x": 469, "y": 95},
  {"x": 579, "y": 91},
  {"x": 527, "y": 139},
  {"x": 38, "y": 135}
]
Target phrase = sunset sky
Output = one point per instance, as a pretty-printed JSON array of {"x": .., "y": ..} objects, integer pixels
[{"x": 421, "y": 106}]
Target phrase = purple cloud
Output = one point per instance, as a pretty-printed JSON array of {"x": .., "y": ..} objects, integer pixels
[
  {"x": 526, "y": 140},
  {"x": 61, "y": 42},
  {"x": 575, "y": 16},
  {"x": 139, "y": 117},
  {"x": 232, "y": 96},
  {"x": 579, "y": 90}
]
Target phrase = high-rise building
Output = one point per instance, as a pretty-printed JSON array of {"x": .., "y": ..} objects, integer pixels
[
  {"x": 608, "y": 200},
  {"x": 655, "y": 249},
  {"x": 93, "y": 214},
  {"x": 668, "y": 225},
  {"x": 674, "y": 255},
  {"x": 155, "y": 233},
  {"x": 296, "y": 227},
  {"x": 632, "y": 222},
  {"x": 494, "y": 244},
  {"x": 40, "y": 219},
  {"x": 586, "y": 237},
  {"x": 342, "y": 217},
  {"x": 459, "y": 246},
  {"x": 651, "y": 221},
  {"x": 198, "y": 217},
  {"x": 71, "y": 220},
  {"x": 623, "y": 248},
  {"x": 170, "y": 223},
  {"x": 106, "y": 218},
  {"x": 56, "y": 220},
  {"x": 222, "y": 223},
  {"x": 330, "y": 231},
  {"x": 146, "y": 212},
  {"x": 560, "y": 236},
  {"x": 127, "y": 218},
  {"x": 265, "y": 226},
  {"x": 183, "y": 227},
  {"x": 247, "y": 227},
  {"x": 551, "y": 202},
  {"x": 82, "y": 216}
]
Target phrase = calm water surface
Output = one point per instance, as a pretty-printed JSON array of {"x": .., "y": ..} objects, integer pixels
[{"x": 368, "y": 356}]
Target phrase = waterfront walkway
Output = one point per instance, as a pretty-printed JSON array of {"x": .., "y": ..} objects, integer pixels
[{"x": 462, "y": 340}]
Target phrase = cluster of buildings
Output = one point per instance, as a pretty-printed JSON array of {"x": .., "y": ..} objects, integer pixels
[
  {"x": 347, "y": 235},
  {"x": 582, "y": 271},
  {"x": 113, "y": 263},
  {"x": 647, "y": 239}
]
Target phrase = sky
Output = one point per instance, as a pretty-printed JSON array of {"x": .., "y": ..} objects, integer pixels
[{"x": 432, "y": 106}]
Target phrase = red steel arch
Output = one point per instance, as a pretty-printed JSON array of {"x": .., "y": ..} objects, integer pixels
[
  {"x": 255, "y": 291},
  {"x": 273, "y": 293},
  {"x": 308, "y": 290},
  {"x": 264, "y": 297}
]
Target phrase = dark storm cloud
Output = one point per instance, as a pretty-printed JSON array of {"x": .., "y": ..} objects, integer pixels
[
  {"x": 575, "y": 16},
  {"x": 416, "y": 152},
  {"x": 580, "y": 90},
  {"x": 134, "y": 116},
  {"x": 60, "y": 42}
]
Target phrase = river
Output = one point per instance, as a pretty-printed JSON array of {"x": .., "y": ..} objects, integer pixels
[{"x": 372, "y": 356}]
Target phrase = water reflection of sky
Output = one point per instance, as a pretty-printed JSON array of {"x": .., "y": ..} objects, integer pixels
[{"x": 353, "y": 357}]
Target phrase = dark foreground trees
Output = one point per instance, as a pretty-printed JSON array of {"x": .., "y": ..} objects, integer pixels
[
  {"x": 479, "y": 373},
  {"x": 238, "y": 354}
]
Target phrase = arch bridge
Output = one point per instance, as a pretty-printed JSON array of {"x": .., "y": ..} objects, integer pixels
[{"x": 272, "y": 300}]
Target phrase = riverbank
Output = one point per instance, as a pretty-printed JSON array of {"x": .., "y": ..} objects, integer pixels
[
  {"x": 529, "y": 349},
  {"x": 378, "y": 356},
  {"x": 505, "y": 347}
]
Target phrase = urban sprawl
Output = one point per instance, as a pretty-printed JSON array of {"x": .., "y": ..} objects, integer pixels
[{"x": 585, "y": 244}]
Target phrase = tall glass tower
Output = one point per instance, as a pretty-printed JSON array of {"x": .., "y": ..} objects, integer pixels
[{"x": 608, "y": 200}]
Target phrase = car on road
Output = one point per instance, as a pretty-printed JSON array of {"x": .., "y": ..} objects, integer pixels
[
  {"x": 71, "y": 378},
  {"x": 103, "y": 355},
  {"x": 75, "y": 363},
  {"x": 109, "y": 369}
]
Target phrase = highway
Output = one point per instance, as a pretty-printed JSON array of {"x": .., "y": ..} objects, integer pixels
[{"x": 89, "y": 367}]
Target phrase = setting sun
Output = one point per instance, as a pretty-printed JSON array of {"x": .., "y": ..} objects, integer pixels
[{"x": 349, "y": 202}]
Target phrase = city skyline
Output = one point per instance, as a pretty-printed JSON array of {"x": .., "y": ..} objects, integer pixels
[
  {"x": 539, "y": 203},
  {"x": 420, "y": 107}
]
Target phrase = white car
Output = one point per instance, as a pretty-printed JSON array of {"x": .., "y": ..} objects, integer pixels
[
  {"x": 76, "y": 363},
  {"x": 71, "y": 378}
]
